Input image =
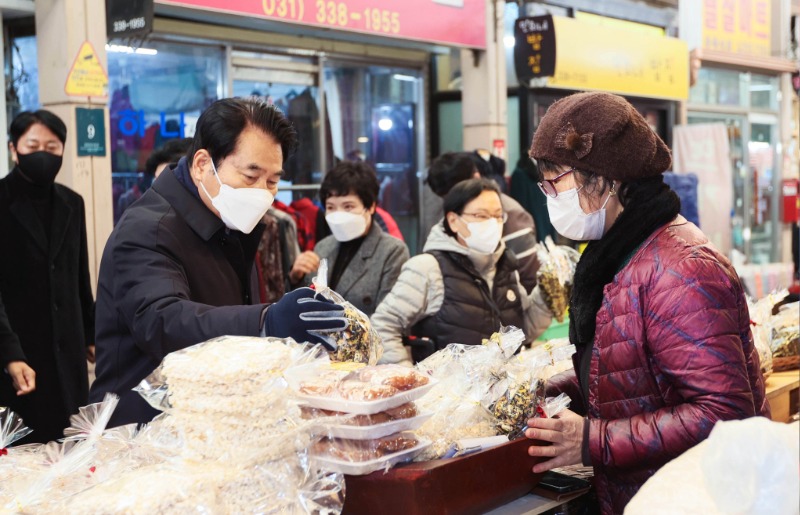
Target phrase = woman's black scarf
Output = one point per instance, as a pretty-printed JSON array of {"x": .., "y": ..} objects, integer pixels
[{"x": 649, "y": 204}]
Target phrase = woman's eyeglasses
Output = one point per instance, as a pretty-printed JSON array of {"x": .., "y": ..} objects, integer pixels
[
  {"x": 548, "y": 186},
  {"x": 482, "y": 217}
]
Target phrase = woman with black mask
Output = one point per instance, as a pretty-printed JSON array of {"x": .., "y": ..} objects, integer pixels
[{"x": 44, "y": 282}]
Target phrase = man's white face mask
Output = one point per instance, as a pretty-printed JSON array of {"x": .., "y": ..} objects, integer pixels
[{"x": 240, "y": 208}]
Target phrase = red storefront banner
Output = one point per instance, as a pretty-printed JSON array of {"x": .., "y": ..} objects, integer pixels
[{"x": 448, "y": 22}]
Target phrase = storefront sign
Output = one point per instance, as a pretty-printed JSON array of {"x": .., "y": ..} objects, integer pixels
[
  {"x": 132, "y": 123},
  {"x": 534, "y": 47},
  {"x": 87, "y": 78},
  {"x": 91, "y": 129},
  {"x": 125, "y": 18},
  {"x": 738, "y": 27},
  {"x": 449, "y": 22},
  {"x": 590, "y": 56}
]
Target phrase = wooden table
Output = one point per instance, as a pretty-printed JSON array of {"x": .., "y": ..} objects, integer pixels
[{"x": 782, "y": 393}]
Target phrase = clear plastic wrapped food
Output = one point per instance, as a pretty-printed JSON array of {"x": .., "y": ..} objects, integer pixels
[
  {"x": 554, "y": 278},
  {"x": 365, "y": 391},
  {"x": 359, "y": 342},
  {"x": 471, "y": 380},
  {"x": 232, "y": 441},
  {"x": 12, "y": 429},
  {"x": 513, "y": 409},
  {"x": 761, "y": 326},
  {"x": 358, "y": 457},
  {"x": 366, "y": 427},
  {"x": 227, "y": 375},
  {"x": 785, "y": 334},
  {"x": 554, "y": 355}
]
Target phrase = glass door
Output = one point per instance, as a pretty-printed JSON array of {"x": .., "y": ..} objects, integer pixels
[
  {"x": 742, "y": 193},
  {"x": 292, "y": 85},
  {"x": 764, "y": 186}
]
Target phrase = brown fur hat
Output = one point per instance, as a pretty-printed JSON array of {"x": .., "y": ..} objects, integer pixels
[{"x": 603, "y": 134}]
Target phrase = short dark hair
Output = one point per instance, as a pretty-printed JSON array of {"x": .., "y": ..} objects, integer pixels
[
  {"x": 482, "y": 165},
  {"x": 172, "y": 151},
  {"x": 26, "y": 119},
  {"x": 219, "y": 127},
  {"x": 449, "y": 169},
  {"x": 348, "y": 177},
  {"x": 462, "y": 194}
]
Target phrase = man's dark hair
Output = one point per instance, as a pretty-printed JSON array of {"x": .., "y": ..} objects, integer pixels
[
  {"x": 462, "y": 194},
  {"x": 482, "y": 165},
  {"x": 449, "y": 169},
  {"x": 26, "y": 119},
  {"x": 348, "y": 177},
  {"x": 221, "y": 124},
  {"x": 172, "y": 151}
]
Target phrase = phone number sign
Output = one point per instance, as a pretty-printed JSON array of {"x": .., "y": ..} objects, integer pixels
[{"x": 448, "y": 22}]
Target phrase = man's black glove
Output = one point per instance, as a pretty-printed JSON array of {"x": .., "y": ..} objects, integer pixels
[{"x": 301, "y": 316}]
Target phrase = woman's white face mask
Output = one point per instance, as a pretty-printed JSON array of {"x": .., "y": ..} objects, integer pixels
[
  {"x": 569, "y": 219},
  {"x": 347, "y": 226},
  {"x": 483, "y": 236}
]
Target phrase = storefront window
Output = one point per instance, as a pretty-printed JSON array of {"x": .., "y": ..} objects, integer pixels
[
  {"x": 447, "y": 69},
  {"x": 761, "y": 157},
  {"x": 372, "y": 113},
  {"x": 764, "y": 92},
  {"x": 290, "y": 83},
  {"x": 156, "y": 93},
  {"x": 753, "y": 134},
  {"x": 720, "y": 87},
  {"x": 23, "y": 90}
]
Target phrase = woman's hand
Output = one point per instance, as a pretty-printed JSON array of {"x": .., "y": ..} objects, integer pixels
[
  {"x": 23, "y": 376},
  {"x": 566, "y": 434},
  {"x": 306, "y": 263}
]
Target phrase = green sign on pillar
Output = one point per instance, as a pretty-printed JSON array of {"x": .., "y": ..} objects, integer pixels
[{"x": 91, "y": 132}]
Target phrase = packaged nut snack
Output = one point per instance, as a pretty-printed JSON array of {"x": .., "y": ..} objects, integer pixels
[
  {"x": 358, "y": 342},
  {"x": 557, "y": 267}
]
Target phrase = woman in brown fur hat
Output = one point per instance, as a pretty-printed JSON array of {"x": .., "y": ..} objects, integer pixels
[{"x": 658, "y": 316}]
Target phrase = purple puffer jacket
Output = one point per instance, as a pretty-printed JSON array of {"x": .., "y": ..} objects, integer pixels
[{"x": 673, "y": 354}]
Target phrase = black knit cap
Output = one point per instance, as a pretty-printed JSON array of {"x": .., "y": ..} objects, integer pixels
[{"x": 603, "y": 134}]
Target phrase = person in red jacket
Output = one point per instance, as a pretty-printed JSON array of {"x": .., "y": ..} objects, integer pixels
[{"x": 658, "y": 316}]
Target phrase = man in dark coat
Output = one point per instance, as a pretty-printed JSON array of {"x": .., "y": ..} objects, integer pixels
[
  {"x": 179, "y": 269},
  {"x": 44, "y": 282}
]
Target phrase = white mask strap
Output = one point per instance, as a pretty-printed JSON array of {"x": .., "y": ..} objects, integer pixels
[{"x": 216, "y": 174}]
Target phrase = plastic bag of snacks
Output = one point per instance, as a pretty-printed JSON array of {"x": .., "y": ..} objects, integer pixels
[
  {"x": 556, "y": 270},
  {"x": 761, "y": 326},
  {"x": 785, "y": 334},
  {"x": 14, "y": 461},
  {"x": 555, "y": 355},
  {"x": 525, "y": 391},
  {"x": 470, "y": 379},
  {"x": 12, "y": 428},
  {"x": 226, "y": 374},
  {"x": 358, "y": 342},
  {"x": 64, "y": 470},
  {"x": 227, "y": 398},
  {"x": 552, "y": 406},
  {"x": 457, "y": 414},
  {"x": 91, "y": 420}
]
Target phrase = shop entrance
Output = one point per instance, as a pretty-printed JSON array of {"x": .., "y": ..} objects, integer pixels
[
  {"x": 344, "y": 111},
  {"x": 292, "y": 85},
  {"x": 752, "y": 139}
]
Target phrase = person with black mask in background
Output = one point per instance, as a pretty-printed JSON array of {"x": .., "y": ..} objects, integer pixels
[{"x": 44, "y": 282}]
